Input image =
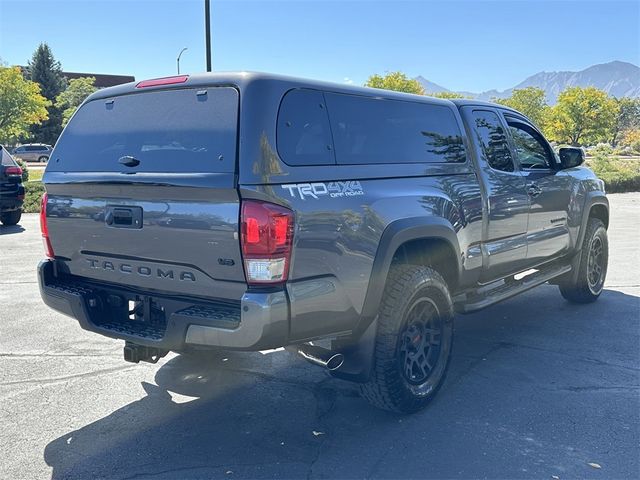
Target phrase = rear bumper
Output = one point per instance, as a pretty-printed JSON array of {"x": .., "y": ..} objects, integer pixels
[
  {"x": 258, "y": 321},
  {"x": 11, "y": 199}
]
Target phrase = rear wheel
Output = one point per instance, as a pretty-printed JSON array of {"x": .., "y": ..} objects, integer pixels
[
  {"x": 414, "y": 340},
  {"x": 43, "y": 159},
  {"x": 10, "y": 218},
  {"x": 587, "y": 285}
]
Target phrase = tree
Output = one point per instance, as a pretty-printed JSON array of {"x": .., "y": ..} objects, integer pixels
[
  {"x": 69, "y": 100},
  {"x": 627, "y": 117},
  {"x": 631, "y": 138},
  {"x": 21, "y": 104},
  {"x": 397, "y": 81},
  {"x": 530, "y": 101},
  {"x": 581, "y": 116},
  {"x": 45, "y": 70},
  {"x": 446, "y": 95}
]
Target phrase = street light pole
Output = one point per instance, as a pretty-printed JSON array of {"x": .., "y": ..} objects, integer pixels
[
  {"x": 207, "y": 28},
  {"x": 178, "y": 59}
]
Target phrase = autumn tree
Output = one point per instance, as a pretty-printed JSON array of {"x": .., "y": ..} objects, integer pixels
[
  {"x": 627, "y": 117},
  {"x": 21, "y": 104},
  {"x": 581, "y": 116},
  {"x": 69, "y": 100},
  {"x": 45, "y": 70},
  {"x": 631, "y": 139},
  {"x": 529, "y": 101},
  {"x": 397, "y": 81}
]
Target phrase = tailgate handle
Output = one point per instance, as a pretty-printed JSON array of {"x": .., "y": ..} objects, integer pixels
[{"x": 123, "y": 217}]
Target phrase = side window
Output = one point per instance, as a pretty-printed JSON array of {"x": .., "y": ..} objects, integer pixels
[
  {"x": 372, "y": 130},
  {"x": 531, "y": 152},
  {"x": 492, "y": 140},
  {"x": 303, "y": 132}
]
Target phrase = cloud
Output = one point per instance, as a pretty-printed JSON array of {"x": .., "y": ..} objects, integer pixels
[{"x": 347, "y": 80}]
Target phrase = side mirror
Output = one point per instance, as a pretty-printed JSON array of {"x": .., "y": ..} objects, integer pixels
[{"x": 570, "y": 157}]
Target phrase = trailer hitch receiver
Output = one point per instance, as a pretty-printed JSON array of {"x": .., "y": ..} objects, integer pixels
[{"x": 139, "y": 353}]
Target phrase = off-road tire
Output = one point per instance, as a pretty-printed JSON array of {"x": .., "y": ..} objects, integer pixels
[
  {"x": 10, "y": 218},
  {"x": 581, "y": 288},
  {"x": 388, "y": 388}
]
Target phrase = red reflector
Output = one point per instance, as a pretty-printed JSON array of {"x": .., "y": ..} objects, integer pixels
[
  {"x": 281, "y": 230},
  {"x": 13, "y": 171},
  {"x": 48, "y": 249},
  {"x": 253, "y": 230},
  {"x": 162, "y": 81}
]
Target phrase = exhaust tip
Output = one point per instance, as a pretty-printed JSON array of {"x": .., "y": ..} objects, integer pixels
[
  {"x": 320, "y": 356},
  {"x": 335, "y": 362}
]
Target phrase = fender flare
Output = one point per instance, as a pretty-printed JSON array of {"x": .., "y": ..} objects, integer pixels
[
  {"x": 592, "y": 199},
  {"x": 394, "y": 235},
  {"x": 360, "y": 346}
]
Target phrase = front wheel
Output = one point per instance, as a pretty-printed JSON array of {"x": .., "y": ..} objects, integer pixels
[
  {"x": 413, "y": 342},
  {"x": 587, "y": 285},
  {"x": 10, "y": 218},
  {"x": 43, "y": 159}
]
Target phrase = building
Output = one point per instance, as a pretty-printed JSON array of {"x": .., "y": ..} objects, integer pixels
[{"x": 102, "y": 80}]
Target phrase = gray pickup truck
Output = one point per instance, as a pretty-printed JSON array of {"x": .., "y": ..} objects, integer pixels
[{"x": 250, "y": 211}]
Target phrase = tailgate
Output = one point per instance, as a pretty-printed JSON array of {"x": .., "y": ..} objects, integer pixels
[{"x": 141, "y": 192}]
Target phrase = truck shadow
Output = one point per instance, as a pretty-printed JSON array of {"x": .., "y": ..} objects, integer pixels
[{"x": 248, "y": 415}]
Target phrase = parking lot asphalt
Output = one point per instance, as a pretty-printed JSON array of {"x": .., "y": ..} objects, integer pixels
[{"x": 538, "y": 388}]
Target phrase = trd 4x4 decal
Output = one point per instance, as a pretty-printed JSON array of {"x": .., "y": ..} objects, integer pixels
[{"x": 349, "y": 188}]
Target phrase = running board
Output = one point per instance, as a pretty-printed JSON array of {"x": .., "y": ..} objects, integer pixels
[{"x": 466, "y": 303}]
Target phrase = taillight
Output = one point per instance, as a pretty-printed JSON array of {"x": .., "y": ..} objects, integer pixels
[
  {"x": 162, "y": 81},
  {"x": 48, "y": 249},
  {"x": 266, "y": 238},
  {"x": 13, "y": 171}
]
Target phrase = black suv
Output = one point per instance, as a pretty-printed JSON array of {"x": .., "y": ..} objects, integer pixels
[
  {"x": 11, "y": 189},
  {"x": 250, "y": 211}
]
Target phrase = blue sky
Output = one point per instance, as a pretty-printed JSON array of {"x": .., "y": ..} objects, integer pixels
[{"x": 460, "y": 45}]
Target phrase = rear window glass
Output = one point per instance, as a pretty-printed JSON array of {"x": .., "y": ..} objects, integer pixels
[
  {"x": 370, "y": 130},
  {"x": 5, "y": 158},
  {"x": 304, "y": 135},
  {"x": 177, "y": 130},
  {"x": 492, "y": 140}
]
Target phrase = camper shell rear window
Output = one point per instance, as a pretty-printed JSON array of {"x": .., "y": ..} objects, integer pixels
[{"x": 173, "y": 130}]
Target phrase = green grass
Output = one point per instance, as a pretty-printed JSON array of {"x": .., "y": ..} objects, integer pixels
[{"x": 35, "y": 175}]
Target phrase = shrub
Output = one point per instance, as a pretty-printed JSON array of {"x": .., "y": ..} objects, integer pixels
[
  {"x": 618, "y": 175},
  {"x": 33, "y": 197},
  {"x": 25, "y": 169},
  {"x": 602, "y": 149}
]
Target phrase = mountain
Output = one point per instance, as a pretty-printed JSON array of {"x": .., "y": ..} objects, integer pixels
[
  {"x": 430, "y": 86},
  {"x": 618, "y": 79}
]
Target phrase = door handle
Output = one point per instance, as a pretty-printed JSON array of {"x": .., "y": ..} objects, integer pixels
[
  {"x": 129, "y": 161},
  {"x": 533, "y": 190}
]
